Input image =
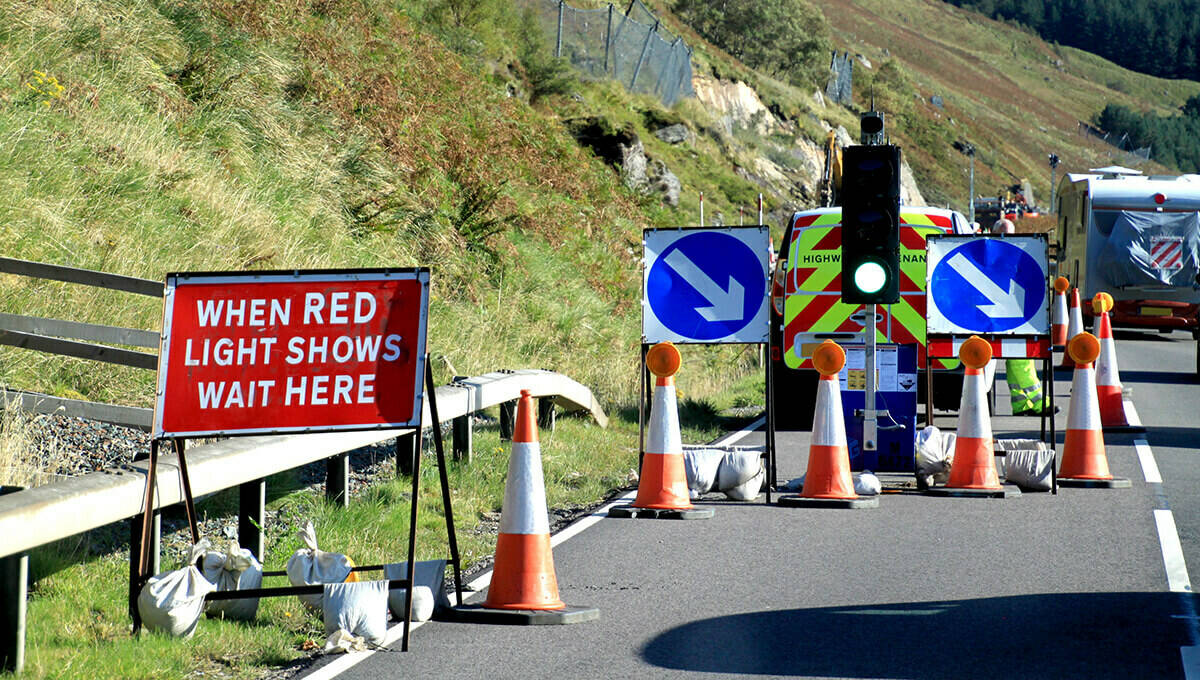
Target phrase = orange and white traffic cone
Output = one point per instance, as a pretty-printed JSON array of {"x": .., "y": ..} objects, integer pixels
[
  {"x": 524, "y": 587},
  {"x": 828, "y": 482},
  {"x": 662, "y": 484},
  {"x": 1084, "y": 460},
  {"x": 1109, "y": 393},
  {"x": 1074, "y": 327},
  {"x": 1058, "y": 322},
  {"x": 973, "y": 468}
]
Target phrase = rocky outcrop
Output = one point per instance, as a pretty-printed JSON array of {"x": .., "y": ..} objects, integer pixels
[
  {"x": 734, "y": 104},
  {"x": 623, "y": 150}
]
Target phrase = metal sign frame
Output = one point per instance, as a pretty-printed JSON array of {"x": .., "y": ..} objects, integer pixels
[
  {"x": 142, "y": 530},
  {"x": 763, "y": 340},
  {"x": 1005, "y": 344}
]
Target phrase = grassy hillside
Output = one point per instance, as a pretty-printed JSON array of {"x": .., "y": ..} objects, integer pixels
[
  {"x": 1011, "y": 94},
  {"x": 259, "y": 135},
  {"x": 147, "y": 136}
]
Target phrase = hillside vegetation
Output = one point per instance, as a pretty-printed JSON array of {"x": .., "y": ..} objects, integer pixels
[
  {"x": 145, "y": 137},
  {"x": 1013, "y": 95},
  {"x": 142, "y": 137},
  {"x": 1161, "y": 38}
]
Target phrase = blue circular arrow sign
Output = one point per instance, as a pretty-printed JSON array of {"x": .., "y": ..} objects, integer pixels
[
  {"x": 988, "y": 286},
  {"x": 706, "y": 285}
]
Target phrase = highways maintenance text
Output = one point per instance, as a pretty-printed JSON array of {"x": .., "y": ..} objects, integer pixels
[{"x": 836, "y": 257}]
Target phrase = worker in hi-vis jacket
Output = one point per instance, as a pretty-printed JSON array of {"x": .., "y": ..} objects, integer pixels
[{"x": 1024, "y": 385}]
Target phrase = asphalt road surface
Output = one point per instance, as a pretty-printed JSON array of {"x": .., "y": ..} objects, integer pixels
[{"x": 1088, "y": 583}]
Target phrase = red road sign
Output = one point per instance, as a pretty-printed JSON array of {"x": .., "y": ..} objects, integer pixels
[{"x": 308, "y": 351}]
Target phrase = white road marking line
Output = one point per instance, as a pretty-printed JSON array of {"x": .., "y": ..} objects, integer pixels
[
  {"x": 1146, "y": 458},
  {"x": 735, "y": 436},
  {"x": 347, "y": 661},
  {"x": 1172, "y": 552},
  {"x": 1131, "y": 414}
]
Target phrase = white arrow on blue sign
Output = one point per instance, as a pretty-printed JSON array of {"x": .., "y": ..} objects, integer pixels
[
  {"x": 987, "y": 285},
  {"x": 705, "y": 285}
]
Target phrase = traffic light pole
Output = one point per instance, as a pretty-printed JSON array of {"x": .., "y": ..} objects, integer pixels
[{"x": 870, "y": 423}]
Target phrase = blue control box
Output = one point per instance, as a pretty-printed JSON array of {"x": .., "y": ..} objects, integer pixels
[{"x": 896, "y": 393}]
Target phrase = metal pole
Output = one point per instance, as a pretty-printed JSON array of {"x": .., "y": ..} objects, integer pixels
[
  {"x": 702, "y": 208},
  {"x": 558, "y": 38},
  {"x": 971, "y": 197},
  {"x": 1053, "y": 208},
  {"x": 608, "y": 41},
  {"x": 642, "y": 58},
  {"x": 870, "y": 430}
]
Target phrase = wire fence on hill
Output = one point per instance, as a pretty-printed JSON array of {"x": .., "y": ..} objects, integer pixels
[{"x": 631, "y": 47}]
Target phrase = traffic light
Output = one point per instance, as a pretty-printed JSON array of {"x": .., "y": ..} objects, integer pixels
[{"x": 871, "y": 224}]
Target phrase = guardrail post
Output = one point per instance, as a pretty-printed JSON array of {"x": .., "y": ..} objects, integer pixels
[
  {"x": 252, "y": 504},
  {"x": 14, "y": 584},
  {"x": 408, "y": 447},
  {"x": 461, "y": 432},
  {"x": 546, "y": 414},
  {"x": 507, "y": 416},
  {"x": 337, "y": 479}
]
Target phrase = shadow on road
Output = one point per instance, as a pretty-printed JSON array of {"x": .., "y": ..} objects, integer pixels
[
  {"x": 1159, "y": 377},
  {"x": 1173, "y": 437},
  {"x": 1050, "y": 636}
]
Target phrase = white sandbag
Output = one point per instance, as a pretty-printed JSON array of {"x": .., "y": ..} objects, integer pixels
[
  {"x": 358, "y": 609},
  {"x": 700, "y": 464},
  {"x": 867, "y": 484},
  {"x": 232, "y": 569},
  {"x": 310, "y": 566},
  {"x": 341, "y": 642},
  {"x": 750, "y": 489},
  {"x": 796, "y": 484},
  {"x": 1030, "y": 469},
  {"x": 171, "y": 602},
  {"x": 429, "y": 595},
  {"x": 934, "y": 451},
  {"x": 738, "y": 466}
]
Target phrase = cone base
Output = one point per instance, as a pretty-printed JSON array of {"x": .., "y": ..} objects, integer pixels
[
  {"x": 634, "y": 512},
  {"x": 837, "y": 503},
  {"x": 1002, "y": 492},
  {"x": 1083, "y": 483},
  {"x": 473, "y": 613}
]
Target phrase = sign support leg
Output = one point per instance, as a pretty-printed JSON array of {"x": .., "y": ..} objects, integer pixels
[
  {"x": 928, "y": 389},
  {"x": 770, "y": 414},
  {"x": 643, "y": 404},
  {"x": 441, "y": 459},
  {"x": 412, "y": 531},
  {"x": 1048, "y": 371},
  {"x": 189, "y": 504},
  {"x": 140, "y": 564}
]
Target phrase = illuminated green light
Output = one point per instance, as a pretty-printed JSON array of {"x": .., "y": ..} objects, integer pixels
[{"x": 870, "y": 277}]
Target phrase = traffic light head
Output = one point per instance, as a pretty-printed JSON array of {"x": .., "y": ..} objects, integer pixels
[
  {"x": 871, "y": 225},
  {"x": 871, "y": 128}
]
